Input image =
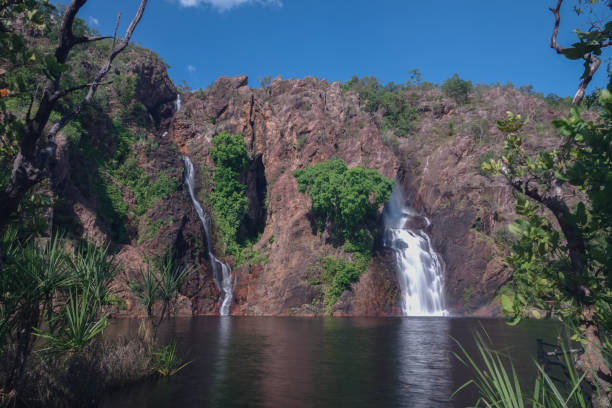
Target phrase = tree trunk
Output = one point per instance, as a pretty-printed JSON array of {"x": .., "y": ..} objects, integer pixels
[
  {"x": 29, "y": 319},
  {"x": 25, "y": 174},
  {"x": 35, "y": 148},
  {"x": 593, "y": 363}
]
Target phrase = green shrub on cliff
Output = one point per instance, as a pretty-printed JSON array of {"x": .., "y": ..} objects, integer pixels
[
  {"x": 458, "y": 89},
  {"x": 345, "y": 199},
  {"x": 113, "y": 174},
  {"x": 390, "y": 100},
  {"x": 338, "y": 275},
  {"x": 229, "y": 200}
]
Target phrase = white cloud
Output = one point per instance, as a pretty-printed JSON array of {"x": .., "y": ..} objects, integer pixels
[
  {"x": 225, "y": 5},
  {"x": 93, "y": 20},
  {"x": 191, "y": 68}
]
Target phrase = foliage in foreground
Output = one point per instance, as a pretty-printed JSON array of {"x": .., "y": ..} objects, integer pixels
[
  {"x": 55, "y": 300},
  {"x": 545, "y": 276},
  {"x": 564, "y": 267},
  {"x": 498, "y": 384},
  {"x": 50, "y": 293},
  {"x": 167, "y": 361},
  {"x": 158, "y": 284},
  {"x": 81, "y": 379}
]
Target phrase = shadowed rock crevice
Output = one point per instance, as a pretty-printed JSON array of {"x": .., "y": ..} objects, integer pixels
[{"x": 254, "y": 222}]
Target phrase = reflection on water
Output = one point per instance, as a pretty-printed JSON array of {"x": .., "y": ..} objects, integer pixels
[
  {"x": 306, "y": 362},
  {"x": 423, "y": 353}
]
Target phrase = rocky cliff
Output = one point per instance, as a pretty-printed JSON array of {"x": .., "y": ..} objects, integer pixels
[
  {"x": 287, "y": 126},
  {"x": 469, "y": 210},
  {"x": 122, "y": 180}
]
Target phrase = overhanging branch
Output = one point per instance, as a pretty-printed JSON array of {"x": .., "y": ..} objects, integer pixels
[
  {"x": 591, "y": 61},
  {"x": 28, "y": 167},
  {"x": 553, "y": 40},
  {"x": 61, "y": 94},
  {"x": 555, "y": 204}
]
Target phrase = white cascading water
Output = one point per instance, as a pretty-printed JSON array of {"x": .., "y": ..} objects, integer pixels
[
  {"x": 419, "y": 269},
  {"x": 221, "y": 272},
  {"x": 177, "y": 103}
]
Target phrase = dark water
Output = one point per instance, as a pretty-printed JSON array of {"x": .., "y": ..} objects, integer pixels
[{"x": 326, "y": 362}]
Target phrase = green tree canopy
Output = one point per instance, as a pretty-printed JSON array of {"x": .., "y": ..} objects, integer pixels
[
  {"x": 457, "y": 88},
  {"x": 389, "y": 100},
  {"x": 229, "y": 151},
  {"x": 229, "y": 200},
  {"x": 347, "y": 198}
]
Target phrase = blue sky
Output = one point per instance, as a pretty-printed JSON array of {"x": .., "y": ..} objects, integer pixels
[{"x": 484, "y": 41}]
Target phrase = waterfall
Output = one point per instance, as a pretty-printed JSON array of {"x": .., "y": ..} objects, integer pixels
[
  {"x": 220, "y": 271},
  {"x": 419, "y": 269},
  {"x": 177, "y": 103}
]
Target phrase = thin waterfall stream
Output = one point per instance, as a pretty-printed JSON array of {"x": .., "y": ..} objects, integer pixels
[
  {"x": 419, "y": 269},
  {"x": 222, "y": 274},
  {"x": 177, "y": 103},
  {"x": 221, "y": 271}
]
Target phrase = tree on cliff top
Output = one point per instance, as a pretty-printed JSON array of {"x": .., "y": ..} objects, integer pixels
[
  {"x": 32, "y": 133},
  {"x": 458, "y": 89}
]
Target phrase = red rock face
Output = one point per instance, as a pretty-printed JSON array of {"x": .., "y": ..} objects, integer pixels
[
  {"x": 295, "y": 123},
  {"x": 290, "y": 125},
  {"x": 469, "y": 211}
]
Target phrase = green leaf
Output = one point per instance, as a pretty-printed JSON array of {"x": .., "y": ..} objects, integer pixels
[
  {"x": 507, "y": 304},
  {"x": 573, "y": 53},
  {"x": 581, "y": 214},
  {"x": 53, "y": 67},
  {"x": 515, "y": 321}
]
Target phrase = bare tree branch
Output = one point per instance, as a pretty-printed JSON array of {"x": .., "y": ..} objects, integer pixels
[
  {"x": 102, "y": 72},
  {"x": 553, "y": 40},
  {"x": 32, "y": 98},
  {"x": 82, "y": 40},
  {"x": 591, "y": 61},
  {"x": 59, "y": 95},
  {"x": 115, "y": 30},
  {"x": 590, "y": 67}
]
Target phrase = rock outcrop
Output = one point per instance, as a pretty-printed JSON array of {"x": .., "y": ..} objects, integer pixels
[
  {"x": 287, "y": 126},
  {"x": 469, "y": 210}
]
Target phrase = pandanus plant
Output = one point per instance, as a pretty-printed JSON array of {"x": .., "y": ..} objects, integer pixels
[
  {"x": 498, "y": 384},
  {"x": 51, "y": 293},
  {"x": 158, "y": 283},
  {"x": 157, "y": 287}
]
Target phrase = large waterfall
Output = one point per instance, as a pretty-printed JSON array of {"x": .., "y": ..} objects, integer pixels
[
  {"x": 419, "y": 269},
  {"x": 221, "y": 272}
]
